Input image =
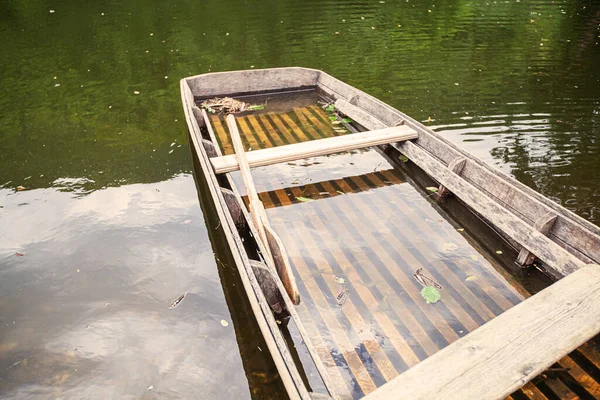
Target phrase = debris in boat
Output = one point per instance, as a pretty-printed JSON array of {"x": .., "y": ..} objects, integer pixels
[
  {"x": 474, "y": 258},
  {"x": 498, "y": 251},
  {"x": 347, "y": 120},
  {"x": 228, "y": 105},
  {"x": 431, "y": 294},
  {"x": 224, "y": 323},
  {"x": 296, "y": 181},
  {"x": 342, "y": 297},
  {"x": 187, "y": 221},
  {"x": 460, "y": 229},
  {"x": 303, "y": 199},
  {"x": 340, "y": 280},
  {"x": 330, "y": 107},
  {"x": 19, "y": 254},
  {"x": 178, "y": 300},
  {"x": 425, "y": 280},
  {"x": 20, "y": 188},
  {"x": 432, "y": 189},
  {"x": 471, "y": 278},
  {"x": 150, "y": 387},
  {"x": 403, "y": 158},
  {"x": 339, "y": 192}
]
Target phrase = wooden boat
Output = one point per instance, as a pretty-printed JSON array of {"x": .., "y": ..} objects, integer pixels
[{"x": 334, "y": 266}]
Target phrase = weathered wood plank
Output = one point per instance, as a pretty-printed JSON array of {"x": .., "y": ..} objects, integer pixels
[
  {"x": 360, "y": 116},
  {"x": 315, "y": 148},
  {"x": 560, "y": 261},
  {"x": 455, "y": 166},
  {"x": 507, "y": 352},
  {"x": 249, "y": 81},
  {"x": 281, "y": 261},
  {"x": 257, "y": 210},
  {"x": 268, "y": 284},
  {"x": 542, "y": 225},
  {"x": 275, "y": 250}
]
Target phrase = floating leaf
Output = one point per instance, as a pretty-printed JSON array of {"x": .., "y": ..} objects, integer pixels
[
  {"x": 339, "y": 280},
  {"x": 303, "y": 199},
  {"x": 432, "y": 189},
  {"x": 431, "y": 294},
  {"x": 19, "y": 254},
  {"x": 498, "y": 251},
  {"x": 471, "y": 278},
  {"x": 403, "y": 158},
  {"x": 187, "y": 221},
  {"x": 224, "y": 323},
  {"x": 474, "y": 257}
]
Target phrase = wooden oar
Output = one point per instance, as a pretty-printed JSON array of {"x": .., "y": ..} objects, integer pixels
[{"x": 272, "y": 242}]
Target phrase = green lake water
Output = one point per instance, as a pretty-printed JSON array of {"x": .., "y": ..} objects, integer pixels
[{"x": 97, "y": 195}]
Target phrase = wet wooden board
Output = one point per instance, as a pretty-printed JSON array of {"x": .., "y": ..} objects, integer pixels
[
  {"x": 373, "y": 232},
  {"x": 315, "y": 148}
]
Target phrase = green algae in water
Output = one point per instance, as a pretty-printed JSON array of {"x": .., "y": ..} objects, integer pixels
[{"x": 431, "y": 294}]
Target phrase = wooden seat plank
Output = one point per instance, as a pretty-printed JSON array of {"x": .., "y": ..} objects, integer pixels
[{"x": 315, "y": 148}]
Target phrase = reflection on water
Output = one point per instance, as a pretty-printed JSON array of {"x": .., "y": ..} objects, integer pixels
[
  {"x": 85, "y": 310},
  {"x": 91, "y": 127}
]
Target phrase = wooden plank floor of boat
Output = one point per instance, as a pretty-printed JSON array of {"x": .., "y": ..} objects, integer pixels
[{"x": 363, "y": 236}]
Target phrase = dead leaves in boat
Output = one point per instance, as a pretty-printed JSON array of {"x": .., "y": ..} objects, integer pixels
[{"x": 228, "y": 105}]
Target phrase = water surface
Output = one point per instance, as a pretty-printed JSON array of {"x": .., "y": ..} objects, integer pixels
[{"x": 109, "y": 222}]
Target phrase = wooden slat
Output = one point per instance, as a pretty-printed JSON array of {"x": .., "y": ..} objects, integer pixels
[
  {"x": 510, "y": 350},
  {"x": 250, "y": 81},
  {"x": 315, "y": 148}
]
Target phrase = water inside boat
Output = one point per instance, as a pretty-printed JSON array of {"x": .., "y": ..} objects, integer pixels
[{"x": 361, "y": 236}]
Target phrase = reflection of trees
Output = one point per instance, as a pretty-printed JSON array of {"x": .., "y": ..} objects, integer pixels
[
  {"x": 491, "y": 50},
  {"x": 566, "y": 86}
]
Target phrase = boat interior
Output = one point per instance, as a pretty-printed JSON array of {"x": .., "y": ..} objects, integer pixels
[{"x": 365, "y": 232}]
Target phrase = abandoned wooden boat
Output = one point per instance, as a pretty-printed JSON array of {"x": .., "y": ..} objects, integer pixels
[{"x": 336, "y": 243}]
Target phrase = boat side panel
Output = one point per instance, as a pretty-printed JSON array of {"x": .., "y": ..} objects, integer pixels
[{"x": 251, "y": 81}]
